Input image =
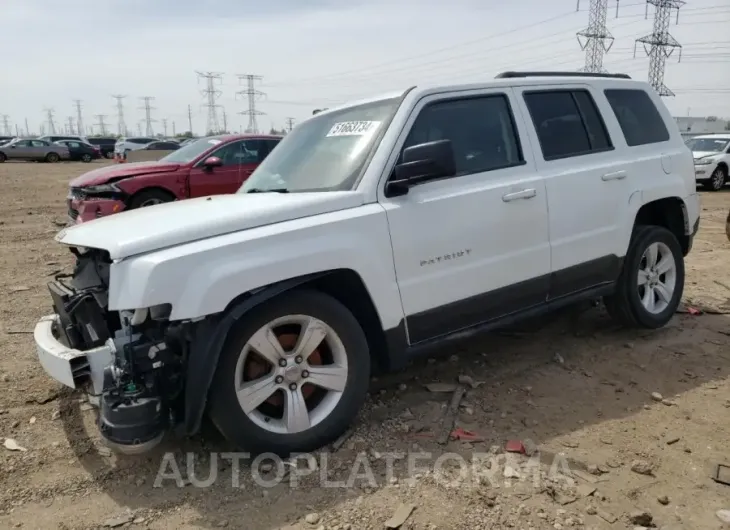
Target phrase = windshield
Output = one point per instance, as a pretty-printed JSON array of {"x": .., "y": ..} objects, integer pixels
[
  {"x": 709, "y": 145},
  {"x": 326, "y": 152},
  {"x": 191, "y": 151}
]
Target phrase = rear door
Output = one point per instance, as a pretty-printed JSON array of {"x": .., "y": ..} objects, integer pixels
[
  {"x": 39, "y": 149},
  {"x": 227, "y": 178},
  {"x": 585, "y": 179}
]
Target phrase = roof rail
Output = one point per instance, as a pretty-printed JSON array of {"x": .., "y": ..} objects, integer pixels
[{"x": 507, "y": 75}]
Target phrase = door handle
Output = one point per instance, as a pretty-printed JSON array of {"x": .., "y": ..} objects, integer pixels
[
  {"x": 616, "y": 175},
  {"x": 522, "y": 194}
]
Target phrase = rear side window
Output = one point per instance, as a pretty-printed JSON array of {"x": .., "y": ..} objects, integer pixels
[
  {"x": 638, "y": 117},
  {"x": 567, "y": 123}
]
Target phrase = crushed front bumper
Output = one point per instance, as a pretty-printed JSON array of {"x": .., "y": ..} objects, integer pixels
[{"x": 67, "y": 365}]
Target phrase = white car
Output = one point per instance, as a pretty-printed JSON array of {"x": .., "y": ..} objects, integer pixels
[
  {"x": 711, "y": 154},
  {"x": 374, "y": 233},
  {"x": 131, "y": 143}
]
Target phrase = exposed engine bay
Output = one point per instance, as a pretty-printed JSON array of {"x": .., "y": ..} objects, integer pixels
[{"x": 138, "y": 391}]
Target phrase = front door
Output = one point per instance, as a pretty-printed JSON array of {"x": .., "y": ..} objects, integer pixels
[
  {"x": 219, "y": 180},
  {"x": 473, "y": 247},
  {"x": 21, "y": 149}
]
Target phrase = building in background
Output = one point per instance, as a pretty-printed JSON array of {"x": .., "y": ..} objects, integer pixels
[{"x": 692, "y": 126}]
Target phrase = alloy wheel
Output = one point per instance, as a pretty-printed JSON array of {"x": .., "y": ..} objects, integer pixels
[{"x": 657, "y": 278}]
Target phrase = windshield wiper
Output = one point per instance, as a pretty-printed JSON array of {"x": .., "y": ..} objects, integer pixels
[{"x": 272, "y": 190}]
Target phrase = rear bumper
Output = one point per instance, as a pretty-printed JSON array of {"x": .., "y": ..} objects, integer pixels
[{"x": 66, "y": 365}]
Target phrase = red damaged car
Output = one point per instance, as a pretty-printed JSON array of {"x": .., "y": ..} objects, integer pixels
[{"x": 213, "y": 165}]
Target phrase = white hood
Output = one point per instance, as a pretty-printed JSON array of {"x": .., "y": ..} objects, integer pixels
[
  {"x": 702, "y": 154},
  {"x": 165, "y": 225}
]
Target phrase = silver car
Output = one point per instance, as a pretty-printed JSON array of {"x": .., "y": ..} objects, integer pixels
[{"x": 33, "y": 149}]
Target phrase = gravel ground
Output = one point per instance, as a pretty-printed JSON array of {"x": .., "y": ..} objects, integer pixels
[{"x": 628, "y": 426}]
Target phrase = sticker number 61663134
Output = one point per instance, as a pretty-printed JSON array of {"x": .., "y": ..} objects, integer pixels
[{"x": 353, "y": 128}]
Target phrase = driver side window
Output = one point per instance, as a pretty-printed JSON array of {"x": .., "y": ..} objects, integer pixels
[
  {"x": 481, "y": 130},
  {"x": 230, "y": 154}
]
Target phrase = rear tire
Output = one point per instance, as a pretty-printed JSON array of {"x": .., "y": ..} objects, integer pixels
[
  {"x": 3, "y": 158},
  {"x": 649, "y": 289},
  {"x": 150, "y": 198},
  {"x": 276, "y": 425},
  {"x": 86, "y": 158},
  {"x": 109, "y": 155},
  {"x": 52, "y": 158}
]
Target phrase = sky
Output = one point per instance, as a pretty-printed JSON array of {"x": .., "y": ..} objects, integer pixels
[{"x": 317, "y": 53}]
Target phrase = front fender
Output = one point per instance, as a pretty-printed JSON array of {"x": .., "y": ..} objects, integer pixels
[{"x": 202, "y": 278}]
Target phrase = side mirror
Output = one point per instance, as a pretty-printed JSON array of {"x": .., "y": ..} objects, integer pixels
[
  {"x": 212, "y": 161},
  {"x": 421, "y": 163}
]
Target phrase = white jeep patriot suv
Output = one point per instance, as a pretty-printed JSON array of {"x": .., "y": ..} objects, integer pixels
[{"x": 373, "y": 233}]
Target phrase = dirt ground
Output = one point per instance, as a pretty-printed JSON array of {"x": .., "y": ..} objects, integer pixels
[{"x": 583, "y": 391}]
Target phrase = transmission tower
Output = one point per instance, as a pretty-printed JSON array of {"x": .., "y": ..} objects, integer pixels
[
  {"x": 164, "y": 126},
  {"x": 101, "y": 124},
  {"x": 253, "y": 96},
  {"x": 660, "y": 45},
  {"x": 79, "y": 121},
  {"x": 211, "y": 94},
  {"x": 595, "y": 40},
  {"x": 121, "y": 126},
  {"x": 49, "y": 121},
  {"x": 6, "y": 123},
  {"x": 148, "y": 114},
  {"x": 70, "y": 124},
  {"x": 289, "y": 124}
]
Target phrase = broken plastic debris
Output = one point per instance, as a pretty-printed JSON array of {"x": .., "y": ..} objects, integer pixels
[
  {"x": 465, "y": 436},
  {"x": 515, "y": 446},
  {"x": 12, "y": 445}
]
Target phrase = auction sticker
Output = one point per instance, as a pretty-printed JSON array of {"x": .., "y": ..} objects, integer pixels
[{"x": 353, "y": 128}]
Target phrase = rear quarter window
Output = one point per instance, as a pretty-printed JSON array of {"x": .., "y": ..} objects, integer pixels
[{"x": 638, "y": 117}]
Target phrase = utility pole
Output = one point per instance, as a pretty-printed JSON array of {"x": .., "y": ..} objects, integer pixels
[
  {"x": 139, "y": 128},
  {"x": 79, "y": 120},
  {"x": 17, "y": 131},
  {"x": 27, "y": 128},
  {"x": 70, "y": 124},
  {"x": 225, "y": 120},
  {"x": 121, "y": 126},
  {"x": 148, "y": 114},
  {"x": 49, "y": 119},
  {"x": 101, "y": 124},
  {"x": 252, "y": 95},
  {"x": 289, "y": 124},
  {"x": 164, "y": 126},
  {"x": 660, "y": 45},
  {"x": 595, "y": 40},
  {"x": 190, "y": 119},
  {"x": 173, "y": 129},
  {"x": 212, "y": 94},
  {"x": 6, "y": 123}
]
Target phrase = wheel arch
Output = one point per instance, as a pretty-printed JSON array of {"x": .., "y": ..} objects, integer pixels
[
  {"x": 670, "y": 213},
  {"x": 209, "y": 335},
  {"x": 147, "y": 189}
]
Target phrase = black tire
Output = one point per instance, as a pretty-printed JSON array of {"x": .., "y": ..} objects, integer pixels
[
  {"x": 146, "y": 198},
  {"x": 3, "y": 158},
  {"x": 86, "y": 158},
  {"x": 625, "y": 305},
  {"x": 718, "y": 179},
  {"x": 52, "y": 158},
  {"x": 109, "y": 155},
  {"x": 224, "y": 409}
]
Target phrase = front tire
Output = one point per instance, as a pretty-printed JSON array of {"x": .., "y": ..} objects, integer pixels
[
  {"x": 152, "y": 197},
  {"x": 651, "y": 283},
  {"x": 292, "y": 375},
  {"x": 3, "y": 158},
  {"x": 86, "y": 158},
  {"x": 718, "y": 179}
]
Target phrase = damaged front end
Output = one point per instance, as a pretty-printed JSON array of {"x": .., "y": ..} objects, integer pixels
[
  {"x": 92, "y": 202},
  {"x": 130, "y": 362}
]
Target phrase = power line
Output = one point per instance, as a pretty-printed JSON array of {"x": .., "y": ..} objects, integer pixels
[
  {"x": 101, "y": 124},
  {"x": 252, "y": 95},
  {"x": 6, "y": 123},
  {"x": 597, "y": 40},
  {"x": 660, "y": 44},
  {"x": 121, "y": 125},
  {"x": 212, "y": 94},
  {"x": 49, "y": 120},
  {"x": 148, "y": 108},
  {"x": 79, "y": 119}
]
